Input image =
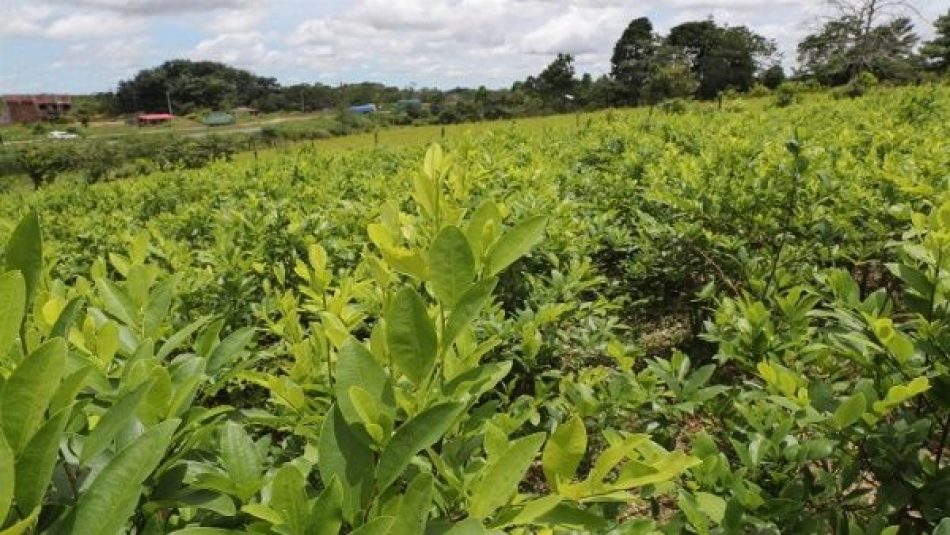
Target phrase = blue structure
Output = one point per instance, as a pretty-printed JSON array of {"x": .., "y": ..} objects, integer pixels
[{"x": 364, "y": 108}]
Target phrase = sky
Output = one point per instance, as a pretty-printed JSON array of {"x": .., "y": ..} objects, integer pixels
[{"x": 81, "y": 46}]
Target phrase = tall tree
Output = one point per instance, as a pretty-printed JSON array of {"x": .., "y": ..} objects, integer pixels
[
  {"x": 190, "y": 85},
  {"x": 721, "y": 57},
  {"x": 864, "y": 35},
  {"x": 670, "y": 76},
  {"x": 630, "y": 62},
  {"x": 937, "y": 52},
  {"x": 556, "y": 83},
  {"x": 773, "y": 76}
]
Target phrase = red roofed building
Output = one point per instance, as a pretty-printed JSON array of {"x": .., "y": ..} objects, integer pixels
[
  {"x": 35, "y": 108},
  {"x": 154, "y": 118}
]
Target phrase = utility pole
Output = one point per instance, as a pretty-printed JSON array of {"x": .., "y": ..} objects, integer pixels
[{"x": 168, "y": 100}]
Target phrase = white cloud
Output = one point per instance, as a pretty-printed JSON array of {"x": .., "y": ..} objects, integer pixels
[
  {"x": 159, "y": 7},
  {"x": 246, "y": 50},
  {"x": 81, "y": 25},
  {"x": 22, "y": 21},
  {"x": 579, "y": 31},
  {"x": 118, "y": 53},
  {"x": 235, "y": 20}
]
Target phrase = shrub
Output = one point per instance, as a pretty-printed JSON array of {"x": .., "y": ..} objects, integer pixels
[
  {"x": 674, "y": 106},
  {"x": 759, "y": 90},
  {"x": 785, "y": 95}
]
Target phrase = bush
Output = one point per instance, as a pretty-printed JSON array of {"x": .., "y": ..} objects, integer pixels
[
  {"x": 674, "y": 106},
  {"x": 759, "y": 90},
  {"x": 785, "y": 95},
  {"x": 857, "y": 87}
]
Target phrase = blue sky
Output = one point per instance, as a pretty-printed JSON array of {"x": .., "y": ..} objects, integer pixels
[{"x": 89, "y": 45}]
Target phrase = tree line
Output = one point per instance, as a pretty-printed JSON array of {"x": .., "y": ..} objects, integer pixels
[{"x": 700, "y": 59}]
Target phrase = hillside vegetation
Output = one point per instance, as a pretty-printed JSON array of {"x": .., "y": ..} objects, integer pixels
[{"x": 671, "y": 320}]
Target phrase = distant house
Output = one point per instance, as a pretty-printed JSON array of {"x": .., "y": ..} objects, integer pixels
[
  {"x": 362, "y": 109},
  {"x": 148, "y": 119},
  {"x": 36, "y": 108}
]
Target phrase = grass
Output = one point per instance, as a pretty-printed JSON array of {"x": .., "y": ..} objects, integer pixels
[
  {"x": 180, "y": 125},
  {"x": 419, "y": 135}
]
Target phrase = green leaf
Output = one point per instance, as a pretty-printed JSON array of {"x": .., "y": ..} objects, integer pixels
[
  {"x": 914, "y": 279},
  {"x": 7, "y": 477},
  {"x": 357, "y": 367},
  {"x": 106, "y": 505},
  {"x": 432, "y": 165},
  {"x": 229, "y": 349},
  {"x": 117, "y": 302},
  {"x": 564, "y": 451},
  {"x": 377, "y": 526},
  {"x": 289, "y": 498},
  {"x": 159, "y": 303},
  {"x": 12, "y": 308},
  {"x": 175, "y": 341},
  {"x": 850, "y": 410},
  {"x": 419, "y": 433},
  {"x": 696, "y": 518},
  {"x": 531, "y": 510},
  {"x": 67, "y": 318},
  {"x": 241, "y": 460},
  {"x": 712, "y": 506},
  {"x": 943, "y": 528},
  {"x": 68, "y": 389},
  {"x": 30, "y": 388},
  {"x": 732, "y": 516},
  {"x": 400, "y": 259},
  {"x": 467, "y": 308},
  {"x": 369, "y": 413},
  {"x": 514, "y": 244},
  {"x": 207, "y": 531},
  {"x": 469, "y": 526},
  {"x": 24, "y": 253},
  {"x": 451, "y": 265},
  {"x": 263, "y": 512},
  {"x": 410, "y": 335},
  {"x": 569, "y": 516},
  {"x": 476, "y": 381},
  {"x": 485, "y": 215},
  {"x": 346, "y": 458},
  {"x": 22, "y": 526},
  {"x": 117, "y": 418},
  {"x": 326, "y": 513},
  {"x": 637, "y": 474},
  {"x": 414, "y": 507},
  {"x": 501, "y": 477},
  {"x": 898, "y": 394},
  {"x": 895, "y": 341},
  {"x": 36, "y": 464}
]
